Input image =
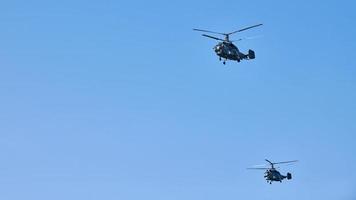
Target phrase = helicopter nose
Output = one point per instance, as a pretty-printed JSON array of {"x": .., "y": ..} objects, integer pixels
[{"x": 216, "y": 48}]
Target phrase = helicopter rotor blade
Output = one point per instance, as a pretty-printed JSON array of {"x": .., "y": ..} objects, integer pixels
[
  {"x": 247, "y": 38},
  {"x": 212, "y": 37},
  {"x": 260, "y": 165},
  {"x": 269, "y": 161},
  {"x": 236, "y": 40},
  {"x": 244, "y": 29},
  {"x": 207, "y": 31},
  {"x": 292, "y": 161},
  {"x": 251, "y": 37},
  {"x": 258, "y": 168}
]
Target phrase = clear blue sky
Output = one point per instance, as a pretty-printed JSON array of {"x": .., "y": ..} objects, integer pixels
[{"x": 122, "y": 100}]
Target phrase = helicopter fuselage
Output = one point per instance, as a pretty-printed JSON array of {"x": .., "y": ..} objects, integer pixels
[
  {"x": 274, "y": 175},
  {"x": 228, "y": 50}
]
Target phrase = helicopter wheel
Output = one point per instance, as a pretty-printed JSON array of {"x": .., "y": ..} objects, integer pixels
[
  {"x": 220, "y": 58},
  {"x": 224, "y": 62}
]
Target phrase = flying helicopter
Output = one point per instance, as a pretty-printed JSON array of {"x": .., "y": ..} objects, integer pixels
[
  {"x": 226, "y": 49},
  {"x": 272, "y": 174}
]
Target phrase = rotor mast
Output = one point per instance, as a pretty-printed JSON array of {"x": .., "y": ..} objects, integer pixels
[
  {"x": 227, "y": 38},
  {"x": 271, "y": 163}
]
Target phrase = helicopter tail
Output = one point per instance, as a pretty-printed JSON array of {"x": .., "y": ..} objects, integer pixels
[
  {"x": 251, "y": 54},
  {"x": 289, "y": 176}
]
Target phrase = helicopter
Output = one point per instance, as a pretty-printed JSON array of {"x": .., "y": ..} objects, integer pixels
[
  {"x": 226, "y": 49},
  {"x": 272, "y": 174}
]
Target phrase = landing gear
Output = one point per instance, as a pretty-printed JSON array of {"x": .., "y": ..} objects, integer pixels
[{"x": 224, "y": 62}]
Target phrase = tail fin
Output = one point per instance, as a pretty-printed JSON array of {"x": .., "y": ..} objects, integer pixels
[
  {"x": 289, "y": 176},
  {"x": 251, "y": 54}
]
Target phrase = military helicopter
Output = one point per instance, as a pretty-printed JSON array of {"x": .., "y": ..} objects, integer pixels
[
  {"x": 226, "y": 49},
  {"x": 272, "y": 174}
]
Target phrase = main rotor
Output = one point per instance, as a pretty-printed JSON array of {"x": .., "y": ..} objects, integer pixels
[
  {"x": 273, "y": 164},
  {"x": 227, "y": 35}
]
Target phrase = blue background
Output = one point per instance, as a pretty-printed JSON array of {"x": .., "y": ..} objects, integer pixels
[{"x": 122, "y": 100}]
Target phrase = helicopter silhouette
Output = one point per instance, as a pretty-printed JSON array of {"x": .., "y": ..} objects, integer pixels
[
  {"x": 226, "y": 49},
  {"x": 272, "y": 174}
]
